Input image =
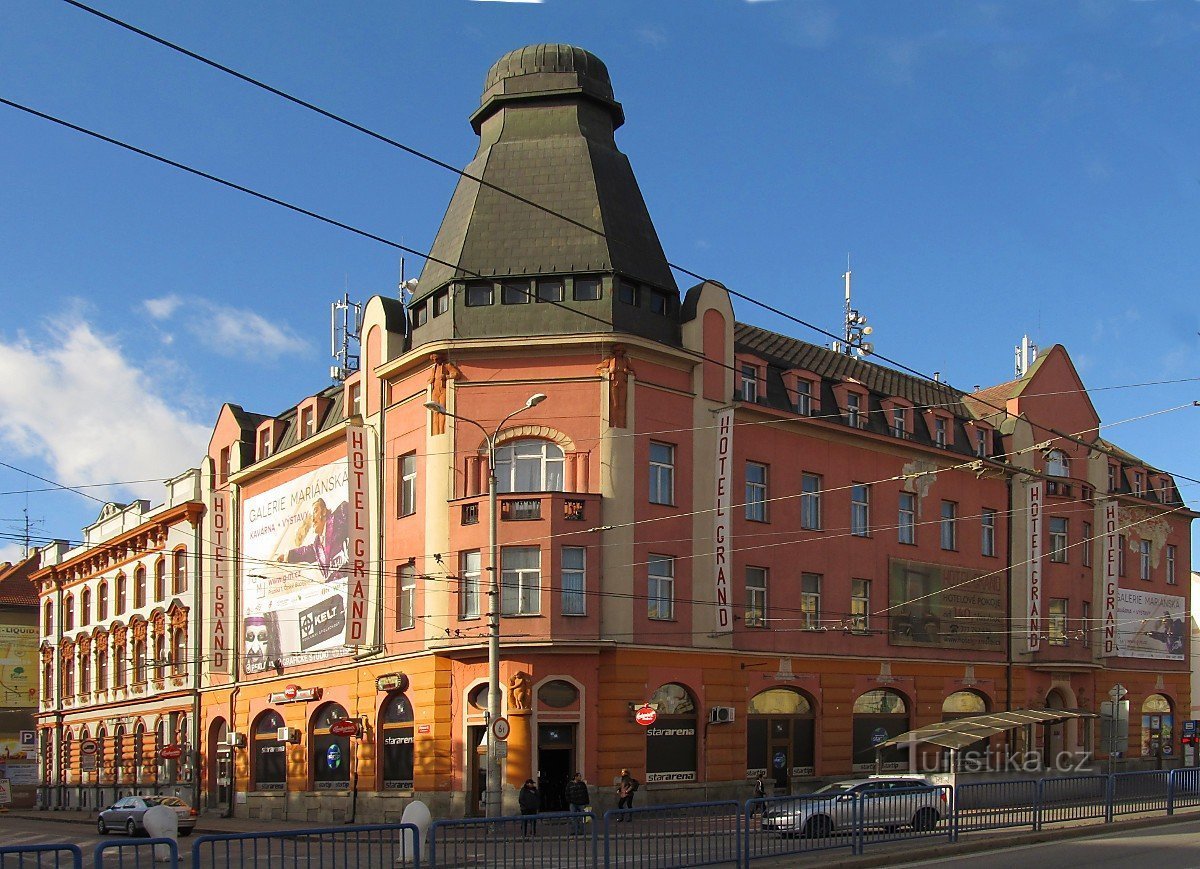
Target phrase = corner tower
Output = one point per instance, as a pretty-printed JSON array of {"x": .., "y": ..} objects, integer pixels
[{"x": 546, "y": 125}]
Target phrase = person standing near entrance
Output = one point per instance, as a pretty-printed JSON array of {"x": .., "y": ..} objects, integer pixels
[
  {"x": 626, "y": 788},
  {"x": 578, "y": 799},
  {"x": 530, "y": 801},
  {"x": 760, "y": 786}
]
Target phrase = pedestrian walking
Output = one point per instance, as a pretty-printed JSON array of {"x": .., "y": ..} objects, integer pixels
[
  {"x": 530, "y": 802},
  {"x": 578, "y": 799},
  {"x": 626, "y": 788},
  {"x": 760, "y": 786}
]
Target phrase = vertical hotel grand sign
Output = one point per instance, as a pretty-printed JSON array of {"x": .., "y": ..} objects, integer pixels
[
  {"x": 359, "y": 579},
  {"x": 1033, "y": 520},
  {"x": 1111, "y": 562},
  {"x": 721, "y": 548},
  {"x": 218, "y": 535}
]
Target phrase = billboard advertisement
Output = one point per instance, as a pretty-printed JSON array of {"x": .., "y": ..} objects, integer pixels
[
  {"x": 18, "y": 665},
  {"x": 1150, "y": 625},
  {"x": 296, "y": 570},
  {"x": 942, "y": 607}
]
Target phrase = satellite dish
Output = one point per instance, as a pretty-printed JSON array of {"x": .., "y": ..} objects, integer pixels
[{"x": 867, "y": 330}]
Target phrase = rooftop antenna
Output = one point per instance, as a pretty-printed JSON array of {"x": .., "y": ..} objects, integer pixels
[
  {"x": 1025, "y": 353},
  {"x": 25, "y": 527},
  {"x": 345, "y": 327},
  {"x": 855, "y": 341}
]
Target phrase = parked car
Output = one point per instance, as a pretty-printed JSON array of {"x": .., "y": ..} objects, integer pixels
[
  {"x": 127, "y": 814},
  {"x": 887, "y": 802}
]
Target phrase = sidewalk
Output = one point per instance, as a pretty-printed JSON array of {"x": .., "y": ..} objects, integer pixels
[{"x": 208, "y": 822}]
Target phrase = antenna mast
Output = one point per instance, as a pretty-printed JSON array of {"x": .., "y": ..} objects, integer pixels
[
  {"x": 855, "y": 341},
  {"x": 345, "y": 326}
]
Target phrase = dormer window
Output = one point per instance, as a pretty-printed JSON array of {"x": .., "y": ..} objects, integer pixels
[
  {"x": 854, "y": 414},
  {"x": 900, "y": 422},
  {"x": 748, "y": 387},
  {"x": 550, "y": 290},
  {"x": 939, "y": 432},
  {"x": 627, "y": 292},
  {"x": 1137, "y": 483},
  {"x": 264, "y": 444},
  {"x": 479, "y": 295},
  {"x": 1112, "y": 477},
  {"x": 803, "y": 392},
  {"x": 441, "y": 302},
  {"x": 419, "y": 313},
  {"x": 515, "y": 293},
  {"x": 981, "y": 442},
  {"x": 660, "y": 303},
  {"x": 307, "y": 422},
  {"x": 1058, "y": 464},
  {"x": 354, "y": 399},
  {"x": 586, "y": 289}
]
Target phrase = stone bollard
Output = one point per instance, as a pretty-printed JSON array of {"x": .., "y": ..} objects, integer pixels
[
  {"x": 417, "y": 814},
  {"x": 161, "y": 822}
]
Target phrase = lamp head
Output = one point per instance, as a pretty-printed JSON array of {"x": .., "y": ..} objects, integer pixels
[
  {"x": 435, "y": 407},
  {"x": 535, "y": 399}
]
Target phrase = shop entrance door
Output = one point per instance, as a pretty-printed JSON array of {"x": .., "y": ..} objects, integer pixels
[
  {"x": 476, "y": 772},
  {"x": 556, "y": 757},
  {"x": 780, "y": 756}
]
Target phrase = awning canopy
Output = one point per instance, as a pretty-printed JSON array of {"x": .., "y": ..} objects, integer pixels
[{"x": 962, "y": 732}]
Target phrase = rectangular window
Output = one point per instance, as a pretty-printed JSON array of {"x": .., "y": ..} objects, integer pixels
[
  {"x": 980, "y": 443},
  {"x": 223, "y": 467},
  {"x": 515, "y": 293},
  {"x": 949, "y": 525},
  {"x": 660, "y": 587},
  {"x": 1112, "y": 478},
  {"x": 520, "y": 580},
  {"x": 1137, "y": 483},
  {"x": 860, "y": 510},
  {"x": 419, "y": 314},
  {"x": 854, "y": 410},
  {"x": 550, "y": 290},
  {"x": 756, "y": 597},
  {"x": 810, "y": 600},
  {"x": 748, "y": 389},
  {"x": 1087, "y": 544},
  {"x": 408, "y": 484},
  {"x": 406, "y": 598},
  {"x": 479, "y": 295},
  {"x": 1120, "y": 554},
  {"x": 662, "y": 473},
  {"x": 1056, "y": 622},
  {"x": 756, "y": 492},
  {"x": 988, "y": 540},
  {"x": 939, "y": 432},
  {"x": 307, "y": 426},
  {"x": 264, "y": 444},
  {"x": 1058, "y": 539},
  {"x": 627, "y": 292},
  {"x": 355, "y": 398},
  {"x": 586, "y": 289},
  {"x": 468, "y": 584},
  {"x": 899, "y": 422},
  {"x": 441, "y": 302},
  {"x": 1144, "y": 559},
  {"x": 906, "y": 524},
  {"x": 803, "y": 398},
  {"x": 1172, "y": 579},
  {"x": 660, "y": 303},
  {"x": 574, "y": 567},
  {"x": 860, "y": 604},
  {"x": 810, "y": 502}
]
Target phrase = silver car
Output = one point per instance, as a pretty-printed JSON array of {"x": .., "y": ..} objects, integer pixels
[
  {"x": 128, "y": 813},
  {"x": 886, "y": 803}
]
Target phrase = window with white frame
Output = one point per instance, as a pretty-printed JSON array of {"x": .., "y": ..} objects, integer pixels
[
  {"x": 660, "y": 587},
  {"x": 1144, "y": 559},
  {"x": 810, "y": 600},
  {"x": 1058, "y": 539},
  {"x": 468, "y": 584},
  {"x": 662, "y": 473},
  {"x": 939, "y": 431},
  {"x": 949, "y": 525},
  {"x": 860, "y": 604},
  {"x": 1172, "y": 579},
  {"x": 529, "y": 465},
  {"x": 981, "y": 442},
  {"x": 520, "y": 580},
  {"x": 854, "y": 414},
  {"x": 810, "y": 502},
  {"x": 756, "y": 491},
  {"x": 803, "y": 397},
  {"x": 1112, "y": 477},
  {"x": 1056, "y": 621},
  {"x": 860, "y": 510},
  {"x": 408, "y": 484},
  {"x": 749, "y": 382},
  {"x": 987, "y": 523},
  {"x": 1137, "y": 483},
  {"x": 1058, "y": 464},
  {"x": 900, "y": 422},
  {"x": 406, "y": 598},
  {"x": 574, "y": 568},
  {"x": 756, "y": 597},
  {"x": 906, "y": 520}
]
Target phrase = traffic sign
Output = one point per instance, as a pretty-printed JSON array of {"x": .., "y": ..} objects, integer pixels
[
  {"x": 88, "y": 747},
  {"x": 344, "y": 727},
  {"x": 645, "y": 716},
  {"x": 171, "y": 752},
  {"x": 501, "y": 728}
]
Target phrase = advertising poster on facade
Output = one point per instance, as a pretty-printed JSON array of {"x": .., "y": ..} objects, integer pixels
[
  {"x": 1150, "y": 625},
  {"x": 295, "y": 570},
  {"x": 18, "y": 665},
  {"x": 941, "y": 607}
]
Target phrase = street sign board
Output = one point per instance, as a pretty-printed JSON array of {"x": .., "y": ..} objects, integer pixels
[
  {"x": 344, "y": 727},
  {"x": 645, "y": 716},
  {"x": 29, "y": 739}
]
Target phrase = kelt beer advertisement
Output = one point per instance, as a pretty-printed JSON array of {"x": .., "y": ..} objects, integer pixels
[{"x": 296, "y": 569}]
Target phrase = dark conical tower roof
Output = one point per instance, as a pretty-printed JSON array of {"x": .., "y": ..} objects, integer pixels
[{"x": 546, "y": 122}]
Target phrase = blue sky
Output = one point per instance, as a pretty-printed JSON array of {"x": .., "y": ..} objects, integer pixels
[{"x": 992, "y": 169}]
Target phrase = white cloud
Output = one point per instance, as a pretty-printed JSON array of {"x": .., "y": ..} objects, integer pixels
[
  {"x": 11, "y": 552},
  {"x": 226, "y": 330},
  {"x": 652, "y": 36},
  {"x": 71, "y": 399}
]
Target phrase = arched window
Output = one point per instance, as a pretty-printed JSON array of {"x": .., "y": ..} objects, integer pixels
[
  {"x": 119, "y": 666},
  {"x": 139, "y": 751},
  {"x": 47, "y": 680},
  {"x": 69, "y": 613},
  {"x": 529, "y": 465},
  {"x": 179, "y": 581},
  {"x": 102, "y": 753},
  {"x": 48, "y": 618},
  {"x": 139, "y": 662},
  {"x": 671, "y": 739},
  {"x": 69, "y": 677},
  {"x": 101, "y": 668},
  {"x": 269, "y": 755},
  {"x": 160, "y": 579},
  {"x": 1058, "y": 464},
  {"x": 780, "y": 736},
  {"x": 102, "y": 602},
  {"x": 139, "y": 587},
  {"x": 67, "y": 760},
  {"x": 1158, "y": 730},
  {"x": 179, "y": 652},
  {"x": 122, "y": 593},
  {"x": 85, "y": 607},
  {"x": 119, "y": 753},
  {"x": 396, "y": 733},
  {"x": 330, "y": 758},
  {"x": 85, "y": 674},
  {"x": 161, "y": 767},
  {"x": 878, "y": 716},
  {"x": 964, "y": 704},
  {"x": 160, "y": 655}
]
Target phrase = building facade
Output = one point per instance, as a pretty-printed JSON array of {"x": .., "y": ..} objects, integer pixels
[{"x": 18, "y": 678}]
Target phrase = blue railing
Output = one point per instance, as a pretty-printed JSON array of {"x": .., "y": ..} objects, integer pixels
[
  {"x": 683, "y": 834},
  {"x": 370, "y": 846},
  {"x": 41, "y": 857},
  {"x": 552, "y": 839},
  {"x": 137, "y": 853}
]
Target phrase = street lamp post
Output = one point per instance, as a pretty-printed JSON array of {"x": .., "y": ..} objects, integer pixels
[
  {"x": 492, "y": 792},
  {"x": 1117, "y": 693}
]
